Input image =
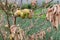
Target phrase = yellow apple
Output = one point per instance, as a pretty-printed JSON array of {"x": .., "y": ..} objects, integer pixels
[
  {"x": 26, "y": 11},
  {"x": 22, "y": 15},
  {"x": 18, "y": 13}
]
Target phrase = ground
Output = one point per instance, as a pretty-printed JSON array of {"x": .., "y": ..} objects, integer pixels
[{"x": 37, "y": 22}]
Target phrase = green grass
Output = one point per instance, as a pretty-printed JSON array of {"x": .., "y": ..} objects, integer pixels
[{"x": 25, "y": 23}]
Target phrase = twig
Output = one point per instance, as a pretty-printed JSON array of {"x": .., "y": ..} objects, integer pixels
[
  {"x": 14, "y": 20},
  {"x": 1, "y": 35},
  {"x": 8, "y": 20},
  {"x": 1, "y": 21}
]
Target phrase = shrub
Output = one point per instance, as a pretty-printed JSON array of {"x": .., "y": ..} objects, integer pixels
[{"x": 28, "y": 6}]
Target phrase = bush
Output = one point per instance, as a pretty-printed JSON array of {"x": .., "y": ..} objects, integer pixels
[{"x": 28, "y": 6}]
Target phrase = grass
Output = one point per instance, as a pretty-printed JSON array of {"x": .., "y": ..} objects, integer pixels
[{"x": 25, "y": 23}]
